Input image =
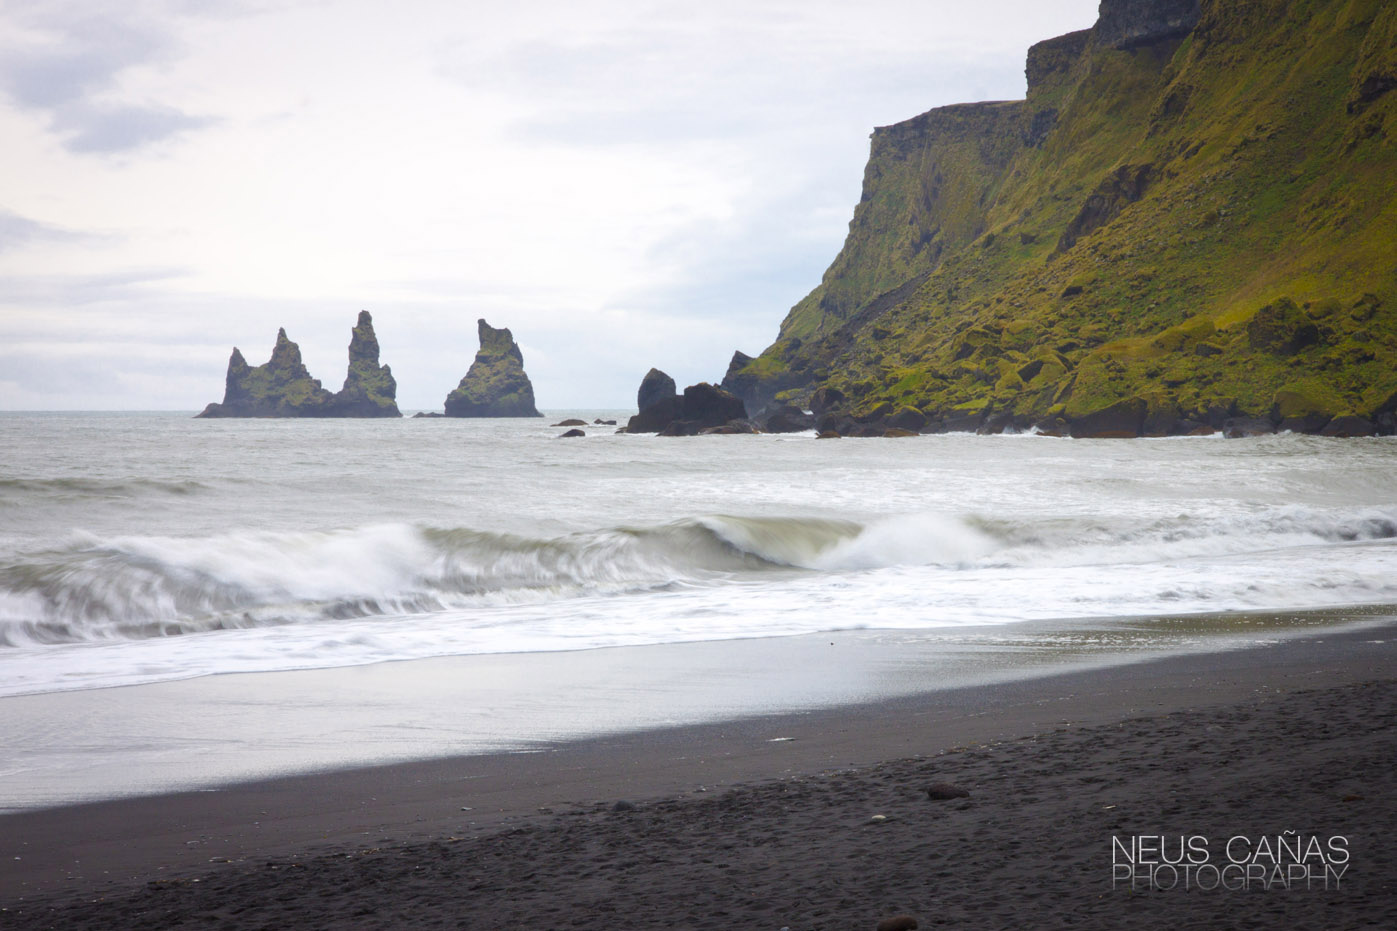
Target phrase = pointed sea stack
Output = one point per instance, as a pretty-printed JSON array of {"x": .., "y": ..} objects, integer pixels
[
  {"x": 282, "y": 387},
  {"x": 496, "y": 385},
  {"x": 279, "y": 388},
  {"x": 369, "y": 389}
]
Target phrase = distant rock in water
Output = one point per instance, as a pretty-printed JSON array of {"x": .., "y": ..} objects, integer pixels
[
  {"x": 369, "y": 389},
  {"x": 496, "y": 385},
  {"x": 282, "y": 387},
  {"x": 279, "y": 388},
  {"x": 655, "y": 387},
  {"x": 701, "y": 407}
]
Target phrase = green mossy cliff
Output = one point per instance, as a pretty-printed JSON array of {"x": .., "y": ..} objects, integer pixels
[
  {"x": 1190, "y": 223},
  {"x": 495, "y": 385},
  {"x": 282, "y": 387}
]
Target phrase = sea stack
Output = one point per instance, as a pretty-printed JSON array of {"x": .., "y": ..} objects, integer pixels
[
  {"x": 495, "y": 385},
  {"x": 282, "y": 387},
  {"x": 369, "y": 389}
]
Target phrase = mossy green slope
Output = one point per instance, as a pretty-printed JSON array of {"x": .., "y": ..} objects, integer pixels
[
  {"x": 495, "y": 385},
  {"x": 1177, "y": 231}
]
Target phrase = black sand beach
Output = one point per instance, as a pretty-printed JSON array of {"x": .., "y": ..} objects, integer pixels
[{"x": 816, "y": 820}]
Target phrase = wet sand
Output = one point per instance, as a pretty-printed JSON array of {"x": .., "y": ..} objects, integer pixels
[{"x": 768, "y": 822}]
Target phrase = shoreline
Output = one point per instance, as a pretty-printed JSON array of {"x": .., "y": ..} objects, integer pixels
[
  {"x": 115, "y": 847},
  {"x": 210, "y": 732}
]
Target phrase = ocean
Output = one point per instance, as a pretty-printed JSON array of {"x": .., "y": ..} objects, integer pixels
[{"x": 138, "y": 549}]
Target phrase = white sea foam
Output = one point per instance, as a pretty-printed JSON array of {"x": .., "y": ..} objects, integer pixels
[{"x": 278, "y": 554}]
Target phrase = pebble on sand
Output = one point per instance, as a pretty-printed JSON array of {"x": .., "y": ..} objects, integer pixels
[{"x": 943, "y": 791}]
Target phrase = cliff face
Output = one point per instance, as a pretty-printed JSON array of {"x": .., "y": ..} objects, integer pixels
[
  {"x": 1090, "y": 259},
  {"x": 495, "y": 385},
  {"x": 282, "y": 387}
]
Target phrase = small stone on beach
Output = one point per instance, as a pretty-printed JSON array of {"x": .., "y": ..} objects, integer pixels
[
  {"x": 944, "y": 791},
  {"x": 898, "y": 923}
]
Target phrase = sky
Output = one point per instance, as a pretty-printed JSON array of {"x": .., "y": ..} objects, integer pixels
[{"x": 623, "y": 184}]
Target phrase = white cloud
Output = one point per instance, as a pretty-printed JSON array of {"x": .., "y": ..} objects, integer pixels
[
  {"x": 67, "y": 61},
  {"x": 623, "y": 184}
]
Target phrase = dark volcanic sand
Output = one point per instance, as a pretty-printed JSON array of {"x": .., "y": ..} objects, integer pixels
[{"x": 1031, "y": 847}]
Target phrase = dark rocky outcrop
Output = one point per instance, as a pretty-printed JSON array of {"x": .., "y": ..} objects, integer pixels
[
  {"x": 571, "y": 433},
  {"x": 711, "y": 405},
  {"x": 702, "y": 406},
  {"x": 495, "y": 385},
  {"x": 282, "y": 387},
  {"x": 1119, "y": 189},
  {"x": 1120, "y": 420},
  {"x": 1126, "y": 24},
  {"x": 788, "y": 419},
  {"x": 369, "y": 389},
  {"x": 655, "y": 387},
  {"x": 1349, "y": 425},
  {"x": 657, "y": 416}
]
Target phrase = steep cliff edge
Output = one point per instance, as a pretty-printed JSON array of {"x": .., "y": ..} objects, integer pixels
[
  {"x": 282, "y": 387},
  {"x": 1189, "y": 223},
  {"x": 495, "y": 385}
]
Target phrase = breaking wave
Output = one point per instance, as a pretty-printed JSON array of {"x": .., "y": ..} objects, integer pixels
[{"x": 92, "y": 588}]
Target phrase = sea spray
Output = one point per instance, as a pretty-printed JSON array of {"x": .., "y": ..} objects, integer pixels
[{"x": 136, "y": 548}]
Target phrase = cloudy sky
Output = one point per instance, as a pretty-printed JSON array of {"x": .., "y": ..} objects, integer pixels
[{"x": 622, "y": 183}]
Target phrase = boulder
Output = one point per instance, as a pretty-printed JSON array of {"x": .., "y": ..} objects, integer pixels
[
  {"x": 702, "y": 405},
  {"x": 945, "y": 791},
  {"x": 655, "y": 387},
  {"x": 711, "y": 405},
  {"x": 496, "y": 384},
  {"x": 573, "y": 432},
  {"x": 907, "y": 418},
  {"x": 898, "y": 923},
  {"x": 681, "y": 428},
  {"x": 1349, "y": 425},
  {"x": 572, "y": 422},
  {"x": 657, "y": 416},
  {"x": 788, "y": 419},
  {"x": 731, "y": 428},
  {"x": 1239, "y": 427},
  {"x": 1122, "y": 419}
]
